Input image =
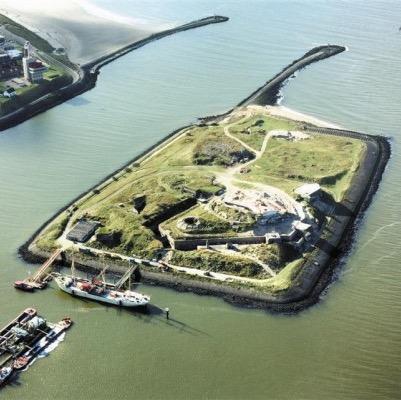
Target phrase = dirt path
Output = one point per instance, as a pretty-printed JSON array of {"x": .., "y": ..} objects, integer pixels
[
  {"x": 228, "y": 178},
  {"x": 216, "y": 275},
  {"x": 190, "y": 271}
]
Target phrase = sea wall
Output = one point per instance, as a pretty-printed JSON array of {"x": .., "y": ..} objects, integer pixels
[
  {"x": 269, "y": 93},
  {"x": 85, "y": 77}
]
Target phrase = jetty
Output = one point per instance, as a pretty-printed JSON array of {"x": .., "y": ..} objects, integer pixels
[{"x": 42, "y": 276}]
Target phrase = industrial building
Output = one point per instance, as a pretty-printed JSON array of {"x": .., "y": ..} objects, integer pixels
[
  {"x": 14, "y": 63},
  {"x": 36, "y": 70}
]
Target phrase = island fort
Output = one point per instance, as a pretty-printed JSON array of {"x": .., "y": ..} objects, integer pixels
[{"x": 250, "y": 205}]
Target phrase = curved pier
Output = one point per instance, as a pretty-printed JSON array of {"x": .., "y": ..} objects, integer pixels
[{"x": 269, "y": 93}]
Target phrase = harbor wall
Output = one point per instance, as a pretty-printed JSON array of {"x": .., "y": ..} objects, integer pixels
[{"x": 269, "y": 93}]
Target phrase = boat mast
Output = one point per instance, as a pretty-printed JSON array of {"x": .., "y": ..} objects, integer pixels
[
  {"x": 103, "y": 272},
  {"x": 129, "y": 279},
  {"x": 73, "y": 267}
]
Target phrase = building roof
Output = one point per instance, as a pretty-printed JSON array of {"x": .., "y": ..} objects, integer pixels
[
  {"x": 13, "y": 53},
  {"x": 82, "y": 231},
  {"x": 308, "y": 189},
  {"x": 36, "y": 65}
]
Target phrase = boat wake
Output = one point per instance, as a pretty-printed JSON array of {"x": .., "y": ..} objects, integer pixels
[{"x": 52, "y": 346}]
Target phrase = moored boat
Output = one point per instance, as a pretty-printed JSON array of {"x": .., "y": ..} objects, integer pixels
[
  {"x": 65, "y": 323},
  {"x": 5, "y": 374},
  {"x": 95, "y": 290},
  {"x": 98, "y": 289},
  {"x": 23, "y": 285},
  {"x": 20, "y": 363},
  {"x": 26, "y": 358}
]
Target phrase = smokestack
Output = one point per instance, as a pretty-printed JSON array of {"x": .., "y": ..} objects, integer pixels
[{"x": 27, "y": 50}]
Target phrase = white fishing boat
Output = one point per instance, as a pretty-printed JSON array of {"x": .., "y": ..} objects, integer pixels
[{"x": 98, "y": 290}]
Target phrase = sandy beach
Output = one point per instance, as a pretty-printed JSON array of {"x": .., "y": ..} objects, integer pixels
[
  {"x": 85, "y": 30},
  {"x": 280, "y": 111},
  {"x": 286, "y": 112}
]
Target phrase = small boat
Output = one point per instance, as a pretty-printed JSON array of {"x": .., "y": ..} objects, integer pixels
[
  {"x": 65, "y": 323},
  {"x": 23, "y": 285},
  {"x": 5, "y": 374},
  {"x": 20, "y": 363},
  {"x": 42, "y": 285}
]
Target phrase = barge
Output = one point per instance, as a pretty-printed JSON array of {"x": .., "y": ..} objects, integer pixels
[
  {"x": 25, "y": 338},
  {"x": 55, "y": 332}
]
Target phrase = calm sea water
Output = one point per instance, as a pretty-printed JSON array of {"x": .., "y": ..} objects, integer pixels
[{"x": 346, "y": 347}]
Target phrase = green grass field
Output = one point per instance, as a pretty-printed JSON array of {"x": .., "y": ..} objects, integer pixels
[
  {"x": 216, "y": 262},
  {"x": 330, "y": 161},
  {"x": 252, "y": 131}
]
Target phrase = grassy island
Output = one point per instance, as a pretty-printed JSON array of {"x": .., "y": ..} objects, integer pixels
[{"x": 241, "y": 201}]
